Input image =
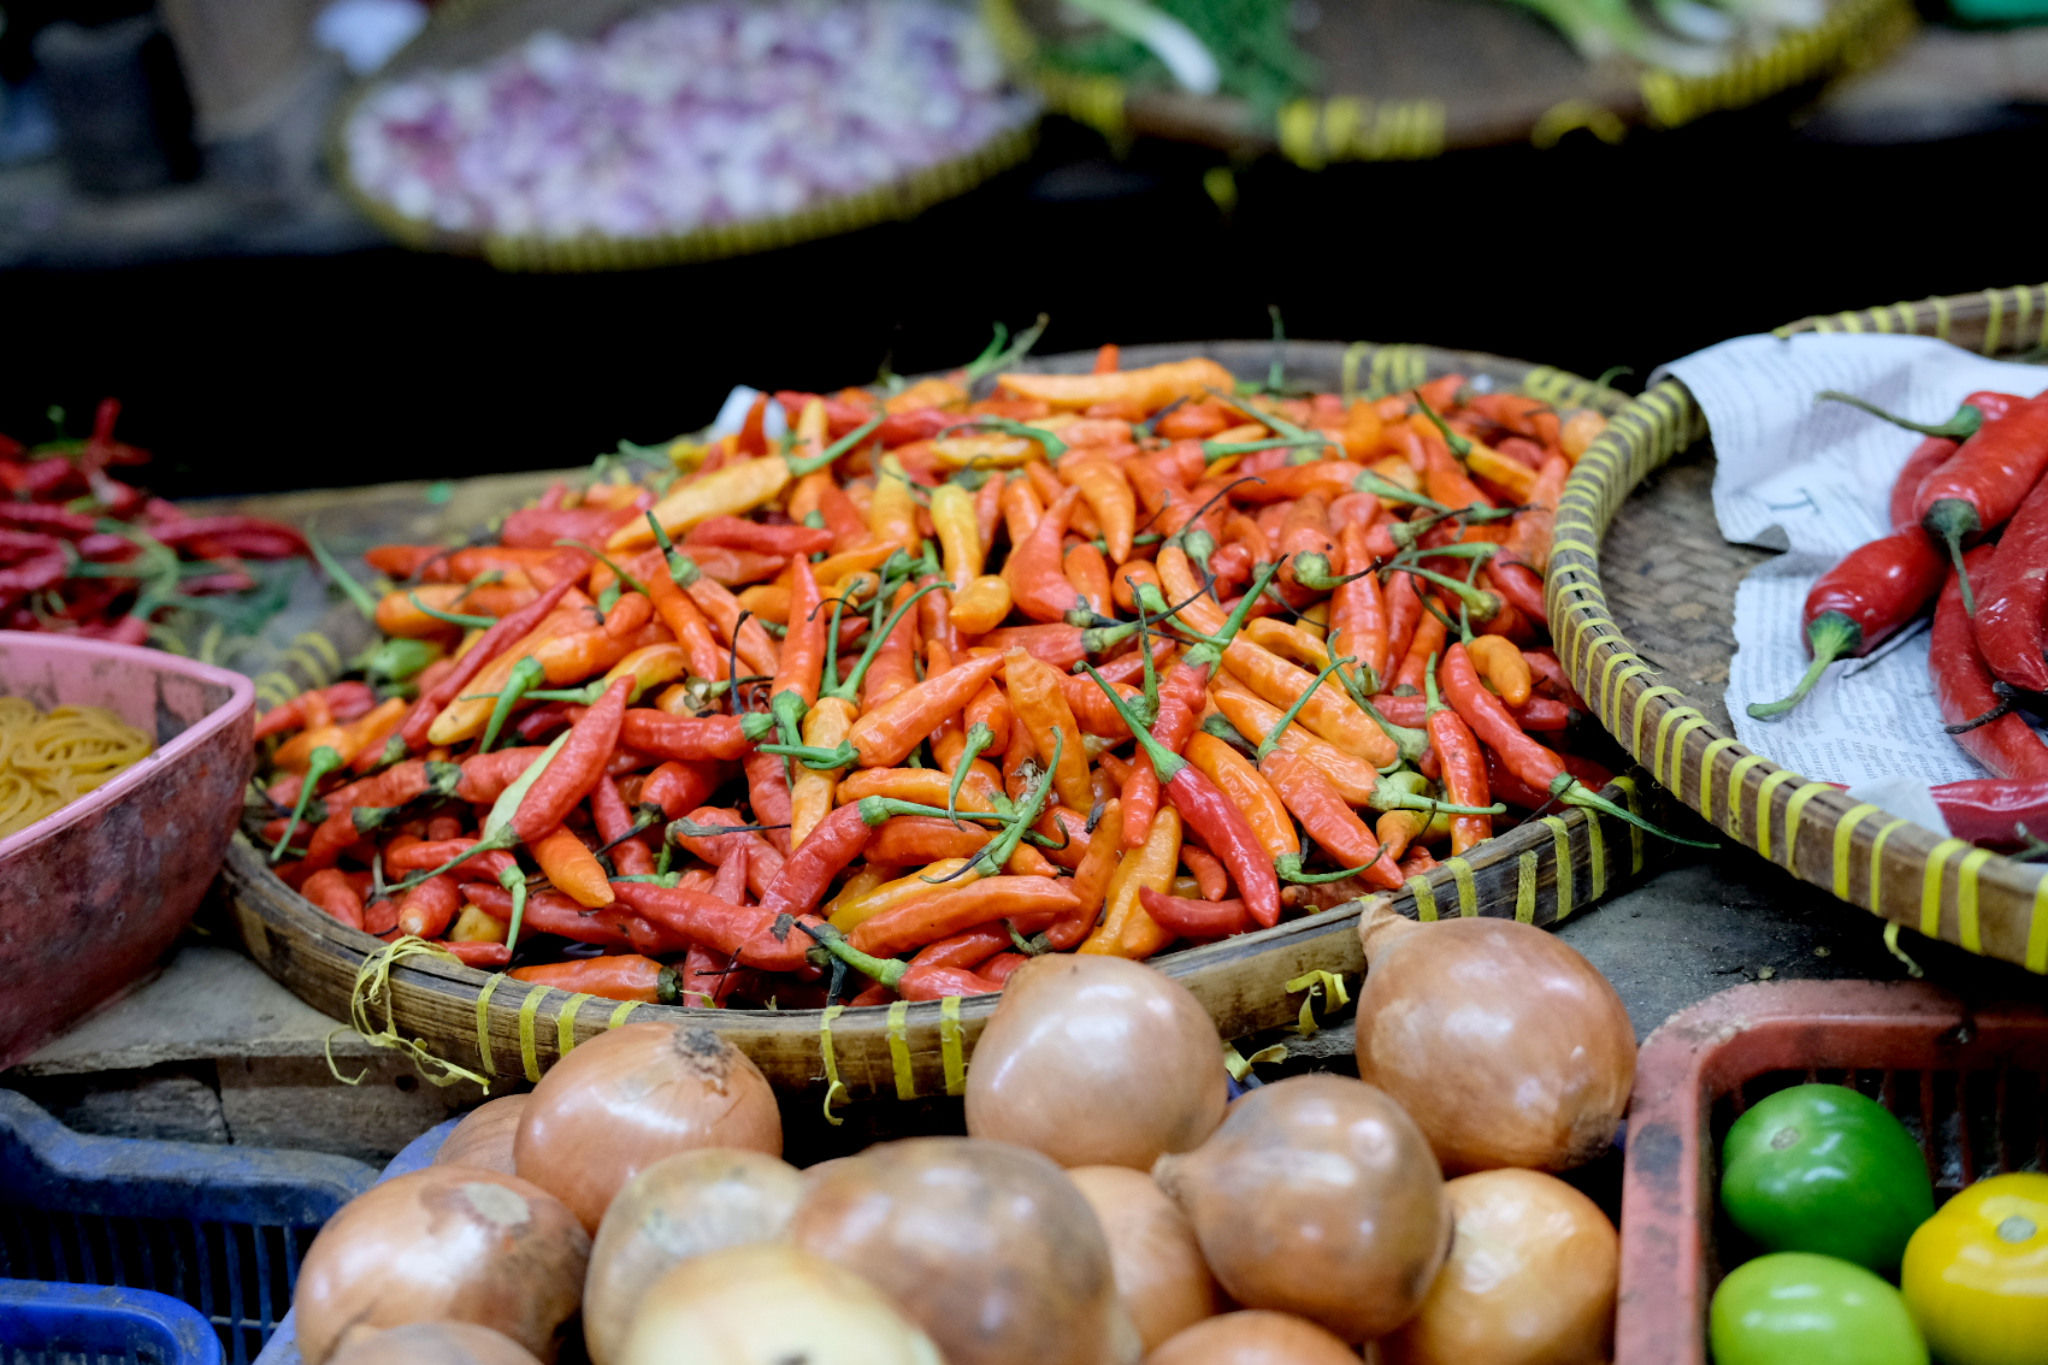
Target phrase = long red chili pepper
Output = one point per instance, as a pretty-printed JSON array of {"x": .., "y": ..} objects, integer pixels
[
  {"x": 2003, "y": 812},
  {"x": 510, "y": 628},
  {"x": 1971, "y": 705},
  {"x": 2012, "y": 602},
  {"x": 576, "y": 767},
  {"x": 1984, "y": 483},
  {"x": 1863, "y": 601},
  {"x": 1462, "y": 765}
]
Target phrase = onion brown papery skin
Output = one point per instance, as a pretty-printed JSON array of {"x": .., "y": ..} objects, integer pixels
[
  {"x": 989, "y": 1247},
  {"x": 1501, "y": 1041},
  {"x": 682, "y": 1206},
  {"x": 770, "y": 1304},
  {"x": 1256, "y": 1337},
  {"x": 444, "y": 1244},
  {"x": 484, "y": 1137},
  {"x": 1097, "y": 1061},
  {"x": 1531, "y": 1278},
  {"x": 433, "y": 1343},
  {"x": 1161, "y": 1277},
  {"x": 1319, "y": 1197},
  {"x": 627, "y": 1098}
]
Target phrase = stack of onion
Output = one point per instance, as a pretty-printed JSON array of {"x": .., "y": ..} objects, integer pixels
[
  {"x": 484, "y": 1137},
  {"x": 1257, "y": 1337},
  {"x": 433, "y": 1343},
  {"x": 1164, "y": 1283},
  {"x": 628, "y": 1098}
]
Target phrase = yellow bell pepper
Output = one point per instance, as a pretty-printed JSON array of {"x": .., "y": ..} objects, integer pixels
[{"x": 1976, "y": 1274}]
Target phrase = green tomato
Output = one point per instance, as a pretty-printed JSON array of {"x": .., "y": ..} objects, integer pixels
[
  {"x": 1792, "y": 1308},
  {"x": 1821, "y": 1168}
]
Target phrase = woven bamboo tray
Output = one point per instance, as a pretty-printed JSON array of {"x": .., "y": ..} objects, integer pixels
[
  {"x": 1644, "y": 623},
  {"x": 1540, "y": 872},
  {"x": 1405, "y": 80},
  {"x": 464, "y": 32}
]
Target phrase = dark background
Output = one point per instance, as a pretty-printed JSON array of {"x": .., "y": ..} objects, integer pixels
[{"x": 262, "y": 373}]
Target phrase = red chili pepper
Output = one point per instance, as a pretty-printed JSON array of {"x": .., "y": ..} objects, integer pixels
[
  {"x": 763, "y": 861},
  {"x": 1461, "y": 764},
  {"x": 1966, "y": 692},
  {"x": 429, "y": 908},
  {"x": 1204, "y": 919},
  {"x": 333, "y": 892},
  {"x": 768, "y": 794},
  {"x": 1998, "y": 811},
  {"x": 485, "y": 776},
  {"x": 748, "y": 934},
  {"x": 1033, "y": 901},
  {"x": 1035, "y": 572},
  {"x": 483, "y": 956},
  {"x": 1931, "y": 454},
  {"x": 1538, "y": 714},
  {"x": 34, "y": 574},
  {"x": 616, "y": 826},
  {"x": 679, "y": 788},
  {"x": 509, "y": 629},
  {"x": 344, "y": 701},
  {"x": 968, "y": 949},
  {"x": 1862, "y": 602},
  {"x": 620, "y": 976},
  {"x": 935, "y": 983},
  {"x": 733, "y": 533},
  {"x": 195, "y": 528},
  {"x": 576, "y": 768},
  {"x": 37, "y": 516},
  {"x": 538, "y": 528},
  {"x": 2012, "y": 605},
  {"x": 1983, "y": 485},
  {"x": 551, "y": 912},
  {"x": 685, "y": 738}
]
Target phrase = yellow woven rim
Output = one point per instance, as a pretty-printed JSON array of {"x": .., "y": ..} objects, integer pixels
[
  {"x": 1312, "y": 133},
  {"x": 1898, "y": 870},
  {"x": 893, "y": 202}
]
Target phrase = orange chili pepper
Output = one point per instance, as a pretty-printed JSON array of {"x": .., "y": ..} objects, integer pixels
[
  {"x": 1088, "y": 571},
  {"x": 1128, "y": 578},
  {"x": 1427, "y": 643},
  {"x": 1109, "y": 497},
  {"x": 1502, "y": 667},
  {"x": 1334, "y": 718},
  {"x": 1126, "y": 929},
  {"x": 620, "y": 976},
  {"x": 1248, "y": 791},
  {"x": 1041, "y": 704}
]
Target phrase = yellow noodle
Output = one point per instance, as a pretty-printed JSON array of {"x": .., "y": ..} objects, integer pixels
[{"x": 47, "y": 761}]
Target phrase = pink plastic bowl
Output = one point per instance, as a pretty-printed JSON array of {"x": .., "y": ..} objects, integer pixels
[{"x": 93, "y": 894}]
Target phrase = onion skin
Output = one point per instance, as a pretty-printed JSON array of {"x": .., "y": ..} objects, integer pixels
[
  {"x": 1164, "y": 1283},
  {"x": 986, "y": 1246},
  {"x": 770, "y": 1305},
  {"x": 433, "y": 1343},
  {"x": 445, "y": 1244},
  {"x": 1319, "y": 1197},
  {"x": 628, "y": 1098},
  {"x": 682, "y": 1206},
  {"x": 1503, "y": 1043},
  {"x": 1097, "y": 1061},
  {"x": 1256, "y": 1337},
  {"x": 484, "y": 1137},
  {"x": 1530, "y": 1279}
]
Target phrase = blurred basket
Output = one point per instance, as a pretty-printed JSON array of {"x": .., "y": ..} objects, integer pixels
[
  {"x": 465, "y": 32},
  {"x": 63, "y": 1324},
  {"x": 1540, "y": 872},
  {"x": 220, "y": 1228},
  {"x": 1406, "y": 80},
  {"x": 1970, "y": 1084},
  {"x": 1648, "y": 645}
]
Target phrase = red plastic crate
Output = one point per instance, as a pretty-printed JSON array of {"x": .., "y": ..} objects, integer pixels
[{"x": 1970, "y": 1083}]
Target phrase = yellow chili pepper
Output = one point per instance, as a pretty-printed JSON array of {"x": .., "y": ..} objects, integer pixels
[
  {"x": 986, "y": 450},
  {"x": 1126, "y": 930},
  {"x": 1500, "y": 663},
  {"x": 925, "y": 393},
  {"x": 810, "y": 791},
  {"x": 959, "y": 534},
  {"x": 1328, "y": 712},
  {"x": 1147, "y": 389},
  {"x": 864, "y": 879},
  {"x": 892, "y": 512},
  {"x": 1248, "y": 790},
  {"x": 1289, "y": 642},
  {"x": 649, "y": 666},
  {"x": 981, "y": 606},
  {"x": 902, "y": 891},
  {"x": 474, "y": 926},
  {"x": 1040, "y": 702},
  {"x": 731, "y": 491}
]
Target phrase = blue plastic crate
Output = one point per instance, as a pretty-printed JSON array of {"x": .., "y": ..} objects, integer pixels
[
  {"x": 69, "y": 1324},
  {"x": 221, "y": 1228}
]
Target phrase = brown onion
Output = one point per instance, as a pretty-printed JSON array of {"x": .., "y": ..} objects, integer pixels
[
  {"x": 1530, "y": 1279},
  {"x": 1503, "y": 1043},
  {"x": 445, "y": 1244},
  {"x": 1164, "y": 1283},
  {"x": 484, "y": 1137},
  {"x": 770, "y": 1305},
  {"x": 681, "y": 1206},
  {"x": 628, "y": 1098},
  {"x": 432, "y": 1343},
  {"x": 1318, "y": 1197},
  {"x": 988, "y": 1247},
  {"x": 1097, "y": 1061},
  {"x": 1256, "y": 1337}
]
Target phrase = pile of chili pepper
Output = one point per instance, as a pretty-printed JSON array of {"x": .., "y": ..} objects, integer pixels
[
  {"x": 85, "y": 553},
  {"x": 1969, "y": 542},
  {"x": 1102, "y": 663}
]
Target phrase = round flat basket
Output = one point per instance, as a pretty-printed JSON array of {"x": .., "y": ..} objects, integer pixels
[
  {"x": 463, "y": 33},
  {"x": 1540, "y": 871},
  {"x": 1642, "y": 601},
  {"x": 1403, "y": 80}
]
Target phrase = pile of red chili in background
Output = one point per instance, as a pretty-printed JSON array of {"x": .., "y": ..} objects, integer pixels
[
  {"x": 866, "y": 695},
  {"x": 84, "y": 553},
  {"x": 1979, "y": 479}
]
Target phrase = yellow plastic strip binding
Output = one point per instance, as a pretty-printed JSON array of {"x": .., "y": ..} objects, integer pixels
[
  {"x": 835, "y": 1089},
  {"x": 1525, "y": 888},
  {"x": 529, "y": 1046},
  {"x": 1329, "y": 985},
  {"x": 1425, "y": 899},
  {"x": 1596, "y": 851},
  {"x": 952, "y": 1053},
  {"x": 1610, "y": 681},
  {"x": 899, "y": 1050},
  {"x": 619, "y": 1014},
  {"x": 1930, "y": 885},
  {"x": 1844, "y": 837},
  {"x": 2037, "y": 929},
  {"x": 1968, "y": 932},
  {"x": 483, "y": 1022},
  {"x": 565, "y": 1023},
  {"x": 1627, "y": 786},
  {"x": 1877, "y": 843},
  {"x": 1765, "y": 790},
  {"x": 1468, "y": 895},
  {"x": 1713, "y": 751},
  {"x": 1994, "y": 325},
  {"x": 1794, "y": 809},
  {"x": 1561, "y": 854},
  {"x": 1643, "y": 700},
  {"x": 1941, "y": 320},
  {"x": 1661, "y": 761}
]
